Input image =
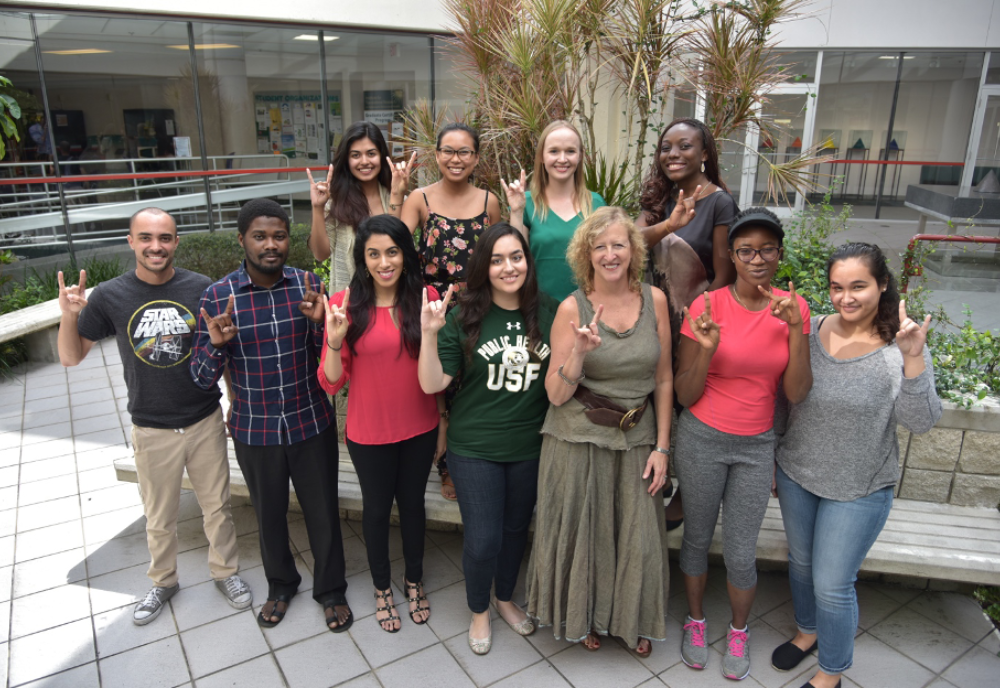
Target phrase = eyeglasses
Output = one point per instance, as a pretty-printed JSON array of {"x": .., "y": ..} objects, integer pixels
[
  {"x": 462, "y": 153},
  {"x": 746, "y": 254}
]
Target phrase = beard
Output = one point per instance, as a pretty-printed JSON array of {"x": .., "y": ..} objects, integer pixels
[{"x": 266, "y": 269}]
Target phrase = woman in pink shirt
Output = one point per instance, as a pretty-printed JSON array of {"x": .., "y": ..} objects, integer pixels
[
  {"x": 737, "y": 345},
  {"x": 373, "y": 341}
]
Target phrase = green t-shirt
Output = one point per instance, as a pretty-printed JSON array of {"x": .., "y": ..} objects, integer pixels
[
  {"x": 548, "y": 241},
  {"x": 498, "y": 412}
]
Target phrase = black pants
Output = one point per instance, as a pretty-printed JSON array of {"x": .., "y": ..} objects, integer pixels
[
  {"x": 312, "y": 467},
  {"x": 394, "y": 471}
]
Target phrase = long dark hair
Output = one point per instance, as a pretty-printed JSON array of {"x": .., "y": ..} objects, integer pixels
[
  {"x": 477, "y": 299},
  {"x": 409, "y": 288},
  {"x": 887, "y": 315},
  {"x": 657, "y": 189},
  {"x": 349, "y": 205}
]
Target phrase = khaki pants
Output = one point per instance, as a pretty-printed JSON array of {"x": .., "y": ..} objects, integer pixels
[{"x": 160, "y": 459}]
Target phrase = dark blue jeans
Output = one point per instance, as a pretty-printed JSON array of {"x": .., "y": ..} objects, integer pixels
[{"x": 496, "y": 500}]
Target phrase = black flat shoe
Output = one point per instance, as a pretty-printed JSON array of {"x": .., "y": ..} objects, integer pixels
[
  {"x": 333, "y": 604},
  {"x": 810, "y": 685},
  {"x": 265, "y": 621},
  {"x": 674, "y": 525},
  {"x": 787, "y": 656}
]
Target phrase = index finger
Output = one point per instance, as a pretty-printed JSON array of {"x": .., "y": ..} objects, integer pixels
[
  {"x": 83, "y": 281},
  {"x": 447, "y": 296},
  {"x": 309, "y": 174},
  {"x": 708, "y": 306},
  {"x": 413, "y": 159},
  {"x": 329, "y": 175},
  {"x": 768, "y": 293},
  {"x": 59, "y": 276},
  {"x": 347, "y": 298},
  {"x": 697, "y": 192},
  {"x": 597, "y": 314},
  {"x": 524, "y": 177},
  {"x": 392, "y": 167},
  {"x": 229, "y": 305},
  {"x": 791, "y": 289},
  {"x": 902, "y": 310},
  {"x": 424, "y": 303}
]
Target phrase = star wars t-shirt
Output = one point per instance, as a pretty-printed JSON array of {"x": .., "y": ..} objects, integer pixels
[
  {"x": 154, "y": 326},
  {"x": 498, "y": 411}
]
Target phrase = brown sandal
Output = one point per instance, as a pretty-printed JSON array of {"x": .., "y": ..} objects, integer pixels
[
  {"x": 448, "y": 488},
  {"x": 649, "y": 648},
  {"x": 383, "y": 597},
  {"x": 417, "y": 590}
]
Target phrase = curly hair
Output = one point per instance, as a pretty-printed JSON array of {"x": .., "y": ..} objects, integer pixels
[
  {"x": 582, "y": 245},
  {"x": 657, "y": 189},
  {"x": 540, "y": 176},
  {"x": 260, "y": 207},
  {"x": 886, "y": 322}
]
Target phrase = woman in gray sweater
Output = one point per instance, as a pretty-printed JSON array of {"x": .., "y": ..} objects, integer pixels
[{"x": 839, "y": 458}]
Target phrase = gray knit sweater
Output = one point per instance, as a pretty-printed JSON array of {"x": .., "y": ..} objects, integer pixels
[{"x": 840, "y": 443}]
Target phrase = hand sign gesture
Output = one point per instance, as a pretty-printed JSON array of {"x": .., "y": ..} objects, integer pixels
[
  {"x": 784, "y": 308},
  {"x": 433, "y": 313},
  {"x": 684, "y": 211},
  {"x": 221, "y": 328},
  {"x": 401, "y": 174},
  {"x": 587, "y": 337},
  {"x": 911, "y": 337},
  {"x": 706, "y": 331},
  {"x": 312, "y": 304},
  {"x": 336, "y": 321},
  {"x": 319, "y": 192},
  {"x": 515, "y": 193},
  {"x": 73, "y": 299}
]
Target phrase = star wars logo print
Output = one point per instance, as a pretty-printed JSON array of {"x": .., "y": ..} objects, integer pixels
[
  {"x": 161, "y": 333},
  {"x": 515, "y": 372}
]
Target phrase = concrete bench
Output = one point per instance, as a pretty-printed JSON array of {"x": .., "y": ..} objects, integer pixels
[
  {"x": 920, "y": 539},
  {"x": 39, "y": 325}
]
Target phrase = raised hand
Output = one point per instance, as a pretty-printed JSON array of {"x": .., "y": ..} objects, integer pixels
[
  {"x": 312, "y": 304},
  {"x": 683, "y": 211},
  {"x": 706, "y": 331},
  {"x": 432, "y": 314},
  {"x": 401, "y": 174},
  {"x": 784, "y": 308},
  {"x": 656, "y": 467},
  {"x": 319, "y": 192},
  {"x": 221, "y": 328},
  {"x": 73, "y": 299},
  {"x": 336, "y": 321},
  {"x": 515, "y": 193},
  {"x": 587, "y": 337},
  {"x": 911, "y": 337}
]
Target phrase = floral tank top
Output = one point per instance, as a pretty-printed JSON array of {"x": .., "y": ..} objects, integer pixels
[{"x": 446, "y": 245}]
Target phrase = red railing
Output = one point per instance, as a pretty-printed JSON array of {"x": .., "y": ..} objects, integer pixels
[
  {"x": 912, "y": 269},
  {"x": 76, "y": 178}
]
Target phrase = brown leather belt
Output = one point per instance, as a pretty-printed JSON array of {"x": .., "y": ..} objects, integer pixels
[{"x": 602, "y": 411}]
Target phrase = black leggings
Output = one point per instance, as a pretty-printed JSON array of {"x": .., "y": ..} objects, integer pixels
[{"x": 394, "y": 471}]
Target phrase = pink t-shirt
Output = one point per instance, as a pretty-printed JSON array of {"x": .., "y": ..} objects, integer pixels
[
  {"x": 744, "y": 373},
  {"x": 385, "y": 403}
]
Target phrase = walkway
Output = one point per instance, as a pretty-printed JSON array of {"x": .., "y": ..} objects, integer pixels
[{"x": 73, "y": 559}]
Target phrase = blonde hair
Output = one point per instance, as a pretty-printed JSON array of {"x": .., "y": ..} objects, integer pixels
[
  {"x": 585, "y": 236},
  {"x": 540, "y": 178}
]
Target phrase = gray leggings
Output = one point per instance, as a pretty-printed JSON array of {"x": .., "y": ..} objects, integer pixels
[{"x": 717, "y": 469}]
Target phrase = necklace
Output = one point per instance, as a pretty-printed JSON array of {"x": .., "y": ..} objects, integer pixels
[{"x": 736, "y": 295}]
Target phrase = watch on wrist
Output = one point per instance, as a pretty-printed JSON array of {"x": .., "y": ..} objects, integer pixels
[{"x": 662, "y": 450}]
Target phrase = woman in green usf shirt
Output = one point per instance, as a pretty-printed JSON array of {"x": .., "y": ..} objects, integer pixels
[{"x": 498, "y": 339}]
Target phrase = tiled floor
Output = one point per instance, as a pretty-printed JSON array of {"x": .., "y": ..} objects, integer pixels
[{"x": 73, "y": 559}]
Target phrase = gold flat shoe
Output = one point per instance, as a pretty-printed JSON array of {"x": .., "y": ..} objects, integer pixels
[
  {"x": 525, "y": 628},
  {"x": 481, "y": 646}
]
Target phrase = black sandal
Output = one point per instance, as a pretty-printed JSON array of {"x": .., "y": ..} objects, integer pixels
[
  {"x": 418, "y": 589},
  {"x": 265, "y": 621},
  {"x": 383, "y": 597},
  {"x": 332, "y": 604}
]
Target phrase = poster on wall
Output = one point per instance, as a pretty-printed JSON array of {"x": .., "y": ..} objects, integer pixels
[
  {"x": 292, "y": 125},
  {"x": 383, "y": 108}
]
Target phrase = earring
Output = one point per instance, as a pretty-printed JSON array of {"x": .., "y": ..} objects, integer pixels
[
  {"x": 404, "y": 270},
  {"x": 367, "y": 274},
  {"x": 703, "y": 167}
]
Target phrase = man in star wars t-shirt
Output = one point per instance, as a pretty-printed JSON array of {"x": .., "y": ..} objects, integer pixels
[{"x": 175, "y": 424}]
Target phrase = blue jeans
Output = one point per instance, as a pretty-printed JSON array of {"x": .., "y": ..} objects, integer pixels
[
  {"x": 827, "y": 543},
  {"x": 496, "y": 500}
]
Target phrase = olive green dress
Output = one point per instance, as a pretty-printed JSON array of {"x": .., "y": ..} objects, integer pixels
[{"x": 599, "y": 556}]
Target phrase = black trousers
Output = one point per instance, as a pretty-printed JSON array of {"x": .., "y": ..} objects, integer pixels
[
  {"x": 312, "y": 467},
  {"x": 394, "y": 471}
]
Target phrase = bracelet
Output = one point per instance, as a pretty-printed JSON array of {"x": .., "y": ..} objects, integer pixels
[
  {"x": 331, "y": 348},
  {"x": 393, "y": 206},
  {"x": 662, "y": 450},
  {"x": 567, "y": 380}
]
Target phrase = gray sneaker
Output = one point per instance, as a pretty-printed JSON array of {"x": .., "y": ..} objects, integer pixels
[
  {"x": 736, "y": 662},
  {"x": 236, "y": 591},
  {"x": 152, "y": 604},
  {"x": 694, "y": 650}
]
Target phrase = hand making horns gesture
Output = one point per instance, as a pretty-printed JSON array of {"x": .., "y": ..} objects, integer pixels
[
  {"x": 684, "y": 211},
  {"x": 784, "y": 308},
  {"x": 221, "y": 328},
  {"x": 706, "y": 331},
  {"x": 432, "y": 313},
  {"x": 336, "y": 321},
  {"x": 911, "y": 337},
  {"x": 515, "y": 192},
  {"x": 401, "y": 174},
  {"x": 73, "y": 299},
  {"x": 312, "y": 304},
  {"x": 587, "y": 337},
  {"x": 319, "y": 192}
]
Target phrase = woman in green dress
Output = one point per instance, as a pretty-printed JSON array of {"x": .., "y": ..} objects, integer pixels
[{"x": 558, "y": 201}]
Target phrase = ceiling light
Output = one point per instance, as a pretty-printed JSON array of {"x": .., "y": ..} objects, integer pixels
[
  {"x": 896, "y": 57},
  {"x": 314, "y": 37},
  {"x": 782, "y": 121},
  {"x": 81, "y": 51},
  {"x": 205, "y": 46}
]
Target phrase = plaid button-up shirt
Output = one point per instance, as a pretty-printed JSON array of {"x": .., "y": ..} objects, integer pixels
[{"x": 272, "y": 360}]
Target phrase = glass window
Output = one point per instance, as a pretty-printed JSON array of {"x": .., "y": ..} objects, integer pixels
[
  {"x": 993, "y": 71},
  {"x": 800, "y": 65}
]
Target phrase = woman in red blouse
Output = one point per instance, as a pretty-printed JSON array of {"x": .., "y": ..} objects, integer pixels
[{"x": 373, "y": 341}]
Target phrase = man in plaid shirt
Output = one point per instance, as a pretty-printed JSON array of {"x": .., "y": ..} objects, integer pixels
[{"x": 265, "y": 322}]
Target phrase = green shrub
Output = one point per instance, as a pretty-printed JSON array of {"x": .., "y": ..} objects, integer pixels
[
  {"x": 989, "y": 598},
  {"x": 216, "y": 254},
  {"x": 966, "y": 362}
]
